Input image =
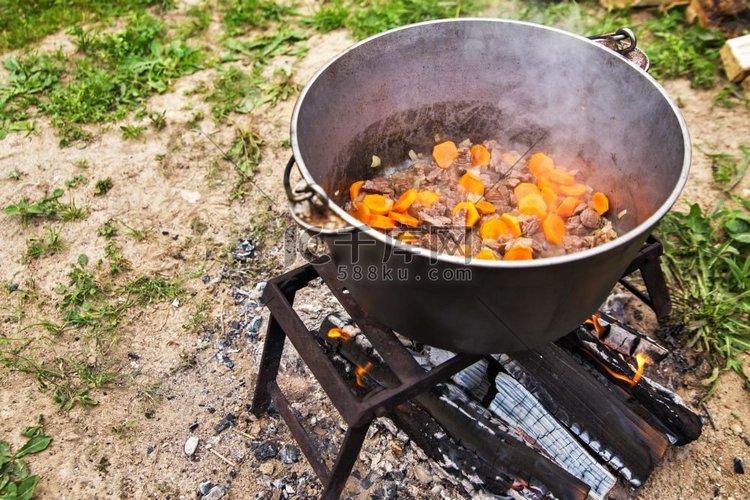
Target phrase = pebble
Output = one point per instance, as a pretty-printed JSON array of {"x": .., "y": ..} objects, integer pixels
[
  {"x": 134, "y": 356},
  {"x": 215, "y": 493},
  {"x": 421, "y": 474},
  {"x": 244, "y": 250},
  {"x": 191, "y": 445},
  {"x": 255, "y": 325},
  {"x": 193, "y": 426},
  {"x": 266, "y": 450},
  {"x": 739, "y": 465},
  {"x": 205, "y": 487},
  {"x": 225, "y": 423},
  {"x": 267, "y": 468},
  {"x": 150, "y": 413},
  {"x": 289, "y": 454},
  {"x": 737, "y": 429}
]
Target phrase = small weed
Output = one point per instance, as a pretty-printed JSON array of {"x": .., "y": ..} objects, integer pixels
[
  {"x": 132, "y": 131},
  {"x": 244, "y": 155},
  {"x": 198, "y": 318},
  {"x": 708, "y": 265},
  {"x": 124, "y": 429},
  {"x": 730, "y": 95},
  {"x": 727, "y": 169},
  {"x": 15, "y": 175},
  {"x": 107, "y": 230},
  {"x": 117, "y": 261},
  {"x": 200, "y": 19},
  {"x": 149, "y": 289},
  {"x": 138, "y": 234},
  {"x": 70, "y": 211},
  {"x": 48, "y": 243},
  {"x": 103, "y": 466},
  {"x": 47, "y": 206},
  {"x": 82, "y": 164},
  {"x": 241, "y": 15},
  {"x": 151, "y": 392},
  {"x": 82, "y": 286},
  {"x": 103, "y": 186},
  {"x": 188, "y": 361},
  {"x": 16, "y": 482},
  {"x": 76, "y": 181},
  {"x": 158, "y": 120},
  {"x": 198, "y": 226},
  {"x": 328, "y": 17},
  {"x": 195, "y": 119}
]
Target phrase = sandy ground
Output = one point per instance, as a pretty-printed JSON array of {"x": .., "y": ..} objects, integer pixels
[{"x": 142, "y": 423}]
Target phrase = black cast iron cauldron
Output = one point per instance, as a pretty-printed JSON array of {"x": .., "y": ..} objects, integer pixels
[{"x": 523, "y": 84}]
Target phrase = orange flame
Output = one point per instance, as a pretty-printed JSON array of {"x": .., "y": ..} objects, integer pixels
[
  {"x": 361, "y": 372},
  {"x": 598, "y": 327},
  {"x": 641, "y": 361},
  {"x": 338, "y": 334}
]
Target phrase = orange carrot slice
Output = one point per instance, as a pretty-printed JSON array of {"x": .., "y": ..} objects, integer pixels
[
  {"x": 523, "y": 189},
  {"x": 519, "y": 252},
  {"x": 560, "y": 177},
  {"x": 554, "y": 229},
  {"x": 445, "y": 153},
  {"x": 405, "y": 219},
  {"x": 426, "y": 198},
  {"x": 543, "y": 182},
  {"x": 600, "y": 202},
  {"x": 485, "y": 207},
  {"x": 533, "y": 204},
  {"x": 480, "y": 156},
  {"x": 354, "y": 189},
  {"x": 472, "y": 215},
  {"x": 540, "y": 164},
  {"x": 493, "y": 229},
  {"x": 574, "y": 190},
  {"x": 405, "y": 200},
  {"x": 550, "y": 198},
  {"x": 361, "y": 212},
  {"x": 471, "y": 184},
  {"x": 381, "y": 222},
  {"x": 378, "y": 204},
  {"x": 486, "y": 254},
  {"x": 513, "y": 226},
  {"x": 568, "y": 206}
]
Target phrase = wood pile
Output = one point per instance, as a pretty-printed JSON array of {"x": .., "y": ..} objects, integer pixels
[{"x": 735, "y": 55}]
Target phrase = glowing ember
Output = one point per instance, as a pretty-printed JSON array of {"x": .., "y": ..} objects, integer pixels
[
  {"x": 338, "y": 334},
  {"x": 598, "y": 327},
  {"x": 361, "y": 372}
]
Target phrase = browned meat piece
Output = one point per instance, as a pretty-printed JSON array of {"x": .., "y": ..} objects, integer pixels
[
  {"x": 401, "y": 182},
  {"x": 378, "y": 185},
  {"x": 489, "y": 178},
  {"x": 498, "y": 196},
  {"x": 529, "y": 224},
  {"x": 474, "y": 242},
  {"x": 580, "y": 208},
  {"x": 573, "y": 243},
  {"x": 590, "y": 218},
  {"x": 511, "y": 182},
  {"x": 575, "y": 227},
  {"x": 463, "y": 162},
  {"x": 434, "y": 220},
  {"x": 539, "y": 243}
]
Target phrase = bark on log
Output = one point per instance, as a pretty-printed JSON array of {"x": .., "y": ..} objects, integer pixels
[{"x": 732, "y": 17}]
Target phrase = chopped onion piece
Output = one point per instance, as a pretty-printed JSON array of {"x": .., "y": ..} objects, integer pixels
[
  {"x": 622, "y": 213},
  {"x": 413, "y": 155},
  {"x": 375, "y": 162},
  {"x": 464, "y": 144}
]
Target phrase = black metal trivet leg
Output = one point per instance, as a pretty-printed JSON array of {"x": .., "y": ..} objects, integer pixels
[
  {"x": 348, "y": 454},
  {"x": 656, "y": 285},
  {"x": 269, "y": 366}
]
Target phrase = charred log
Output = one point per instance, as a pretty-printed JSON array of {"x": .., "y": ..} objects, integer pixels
[{"x": 627, "y": 341}]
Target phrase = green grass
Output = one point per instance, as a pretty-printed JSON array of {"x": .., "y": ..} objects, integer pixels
[
  {"x": 16, "y": 481},
  {"x": 708, "y": 266},
  {"x": 49, "y": 242},
  {"x": 48, "y": 207},
  {"x": 149, "y": 289},
  {"x": 75, "y": 181},
  {"x": 728, "y": 169},
  {"x": 242, "y": 15},
  {"x": 25, "y": 21},
  {"x": 132, "y": 131},
  {"x": 245, "y": 155},
  {"x": 103, "y": 186}
]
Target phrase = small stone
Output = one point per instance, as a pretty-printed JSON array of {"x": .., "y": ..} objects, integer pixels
[
  {"x": 267, "y": 468},
  {"x": 150, "y": 413},
  {"x": 205, "y": 487},
  {"x": 255, "y": 325},
  {"x": 739, "y": 465},
  {"x": 215, "y": 493},
  {"x": 176, "y": 303},
  {"x": 12, "y": 287},
  {"x": 266, "y": 450},
  {"x": 289, "y": 454},
  {"x": 133, "y": 356},
  {"x": 421, "y": 474},
  {"x": 193, "y": 426},
  {"x": 191, "y": 445},
  {"x": 746, "y": 440},
  {"x": 737, "y": 429},
  {"x": 225, "y": 423},
  {"x": 244, "y": 250}
]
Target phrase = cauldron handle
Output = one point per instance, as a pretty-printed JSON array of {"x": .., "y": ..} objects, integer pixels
[
  {"x": 625, "y": 42},
  {"x": 295, "y": 195}
]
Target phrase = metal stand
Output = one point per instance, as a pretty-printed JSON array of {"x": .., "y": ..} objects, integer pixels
[{"x": 358, "y": 412}]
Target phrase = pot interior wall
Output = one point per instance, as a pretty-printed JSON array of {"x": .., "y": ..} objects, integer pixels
[{"x": 501, "y": 80}]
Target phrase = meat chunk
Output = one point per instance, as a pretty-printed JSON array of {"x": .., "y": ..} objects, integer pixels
[
  {"x": 498, "y": 195},
  {"x": 529, "y": 224},
  {"x": 378, "y": 185},
  {"x": 434, "y": 220},
  {"x": 590, "y": 218},
  {"x": 575, "y": 227}
]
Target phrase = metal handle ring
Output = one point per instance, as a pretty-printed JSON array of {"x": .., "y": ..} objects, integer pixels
[{"x": 295, "y": 196}]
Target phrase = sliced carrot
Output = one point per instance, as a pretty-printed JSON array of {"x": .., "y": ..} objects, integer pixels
[
  {"x": 407, "y": 237},
  {"x": 543, "y": 182},
  {"x": 381, "y": 222},
  {"x": 426, "y": 198},
  {"x": 533, "y": 204},
  {"x": 600, "y": 202},
  {"x": 493, "y": 229},
  {"x": 485, "y": 207},
  {"x": 540, "y": 164},
  {"x": 471, "y": 184},
  {"x": 550, "y": 198},
  {"x": 480, "y": 156},
  {"x": 525, "y": 188},
  {"x": 574, "y": 190},
  {"x": 554, "y": 229},
  {"x": 472, "y": 215},
  {"x": 378, "y": 204},
  {"x": 561, "y": 177},
  {"x": 513, "y": 225},
  {"x": 405, "y": 200},
  {"x": 354, "y": 189},
  {"x": 405, "y": 219},
  {"x": 361, "y": 212},
  {"x": 445, "y": 153},
  {"x": 519, "y": 252},
  {"x": 486, "y": 254},
  {"x": 568, "y": 206}
]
